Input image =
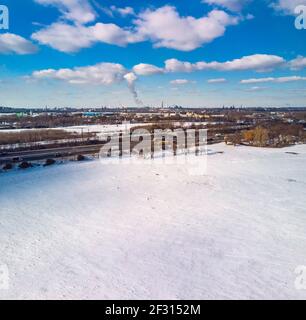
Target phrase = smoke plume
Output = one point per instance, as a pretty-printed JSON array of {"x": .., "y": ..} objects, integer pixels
[{"x": 130, "y": 79}]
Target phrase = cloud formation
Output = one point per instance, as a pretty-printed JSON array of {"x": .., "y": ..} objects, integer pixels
[
  {"x": 181, "y": 81},
  {"x": 62, "y": 36},
  {"x": 257, "y": 62},
  {"x": 126, "y": 11},
  {"x": 13, "y": 44},
  {"x": 79, "y": 11},
  {"x": 272, "y": 79},
  {"x": 218, "y": 80},
  {"x": 287, "y": 6},
  {"x": 255, "y": 89},
  {"x": 232, "y": 5},
  {"x": 100, "y": 74},
  {"x": 110, "y": 73},
  {"x": 166, "y": 28},
  {"x": 144, "y": 69},
  {"x": 298, "y": 63}
]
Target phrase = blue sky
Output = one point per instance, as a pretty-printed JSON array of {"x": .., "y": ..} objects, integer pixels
[{"x": 193, "y": 53}]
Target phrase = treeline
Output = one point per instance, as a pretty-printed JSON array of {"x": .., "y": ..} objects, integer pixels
[
  {"x": 41, "y": 121},
  {"x": 277, "y": 135},
  {"x": 46, "y": 121},
  {"x": 28, "y": 136}
]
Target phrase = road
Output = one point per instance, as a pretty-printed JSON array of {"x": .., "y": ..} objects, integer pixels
[{"x": 59, "y": 152}]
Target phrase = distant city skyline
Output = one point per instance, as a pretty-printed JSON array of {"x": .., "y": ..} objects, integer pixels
[{"x": 200, "y": 53}]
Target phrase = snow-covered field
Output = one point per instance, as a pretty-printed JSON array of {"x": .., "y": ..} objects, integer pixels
[
  {"x": 103, "y": 128},
  {"x": 87, "y": 230},
  {"x": 98, "y": 128}
]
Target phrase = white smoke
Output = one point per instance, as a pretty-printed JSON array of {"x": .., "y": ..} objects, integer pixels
[{"x": 130, "y": 79}]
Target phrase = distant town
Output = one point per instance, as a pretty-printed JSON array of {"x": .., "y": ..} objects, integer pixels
[
  {"x": 27, "y": 118},
  {"x": 45, "y": 134}
]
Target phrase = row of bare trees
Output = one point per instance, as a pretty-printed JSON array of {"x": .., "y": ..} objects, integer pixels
[
  {"x": 28, "y": 136},
  {"x": 277, "y": 135}
]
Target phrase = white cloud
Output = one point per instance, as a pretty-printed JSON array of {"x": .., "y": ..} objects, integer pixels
[
  {"x": 75, "y": 10},
  {"x": 108, "y": 73},
  {"x": 181, "y": 81},
  {"x": 272, "y": 79},
  {"x": 218, "y": 80},
  {"x": 63, "y": 37},
  {"x": 297, "y": 63},
  {"x": 102, "y": 73},
  {"x": 99, "y": 74},
  {"x": 144, "y": 69},
  {"x": 112, "y": 34},
  {"x": 127, "y": 11},
  {"x": 257, "y": 80},
  {"x": 72, "y": 38},
  {"x": 232, "y": 5},
  {"x": 289, "y": 79},
  {"x": 255, "y": 89},
  {"x": 287, "y": 6},
  {"x": 13, "y": 44},
  {"x": 257, "y": 62},
  {"x": 165, "y": 28},
  {"x": 174, "y": 65}
]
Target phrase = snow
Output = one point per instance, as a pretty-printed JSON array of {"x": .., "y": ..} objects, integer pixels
[
  {"x": 93, "y": 230},
  {"x": 100, "y": 130},
  {"x": 96, "y": 128}
]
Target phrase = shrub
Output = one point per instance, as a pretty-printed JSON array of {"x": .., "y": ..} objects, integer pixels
[
  {"x": 49, "y": 162},
  {"x": 237, "y": 138},
  {"x": 80, "y": 157},
  {"x": 261, "y": 136},
  {"x": 25, "y": 165},
  {"x": 248, "y": 136},
  {"x": 8, "y": 166}
]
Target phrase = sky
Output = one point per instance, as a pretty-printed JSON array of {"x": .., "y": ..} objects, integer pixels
[{"x": 195, "y": 53}]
